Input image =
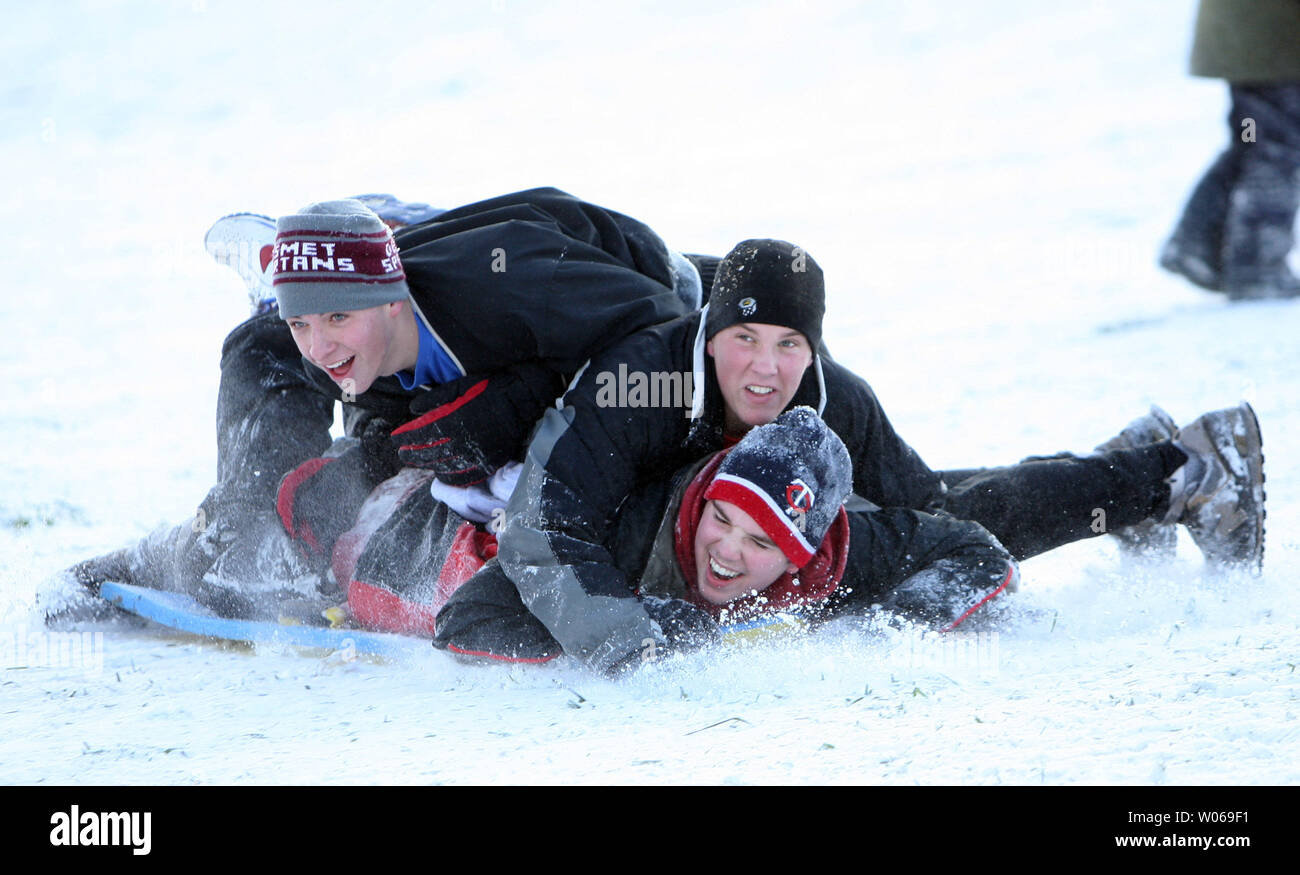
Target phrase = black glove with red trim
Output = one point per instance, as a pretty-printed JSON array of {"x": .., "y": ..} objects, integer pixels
[
  {"x": 468, "y": 428},
  {"x": 319, "y": 500}
]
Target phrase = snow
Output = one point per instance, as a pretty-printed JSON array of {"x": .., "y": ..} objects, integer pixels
[{"x": 986, "y": 187}]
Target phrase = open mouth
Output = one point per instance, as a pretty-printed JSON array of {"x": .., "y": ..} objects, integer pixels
[
  {"x": 760, "y": 390},
  {"x": 340, "y": 369},
  {"x": 722, "y": 572}
]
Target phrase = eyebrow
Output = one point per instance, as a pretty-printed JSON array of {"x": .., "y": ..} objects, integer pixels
[
  {"x": 749, "y": 326},
  {"x": 762, "y": 538}
]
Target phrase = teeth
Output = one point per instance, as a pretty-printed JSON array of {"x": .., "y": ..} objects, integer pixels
[
  {"x": 760, "y": 390},
  {"x": 725, "y": 573},
  {"x": 341, "y": 362}
]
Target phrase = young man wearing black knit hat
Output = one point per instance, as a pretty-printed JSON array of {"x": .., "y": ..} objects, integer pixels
[{"x": 586, "y": 458}]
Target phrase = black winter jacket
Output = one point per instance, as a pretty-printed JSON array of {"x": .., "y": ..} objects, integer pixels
[
  {"x": 590, "y": 454},
  {"x": 526, "y": 286}
]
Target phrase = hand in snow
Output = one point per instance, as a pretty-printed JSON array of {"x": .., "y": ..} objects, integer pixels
[{"x": 685, "y": 627}]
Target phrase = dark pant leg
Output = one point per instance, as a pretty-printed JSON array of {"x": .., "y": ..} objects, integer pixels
[
  {"x": 270, "y": 417},
  {"x": 1045, "y": 503},
  {"x": 1199, "y": 233},
  {"x": 1259, "y": 227}
]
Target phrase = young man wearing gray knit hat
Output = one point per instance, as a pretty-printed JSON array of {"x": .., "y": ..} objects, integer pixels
[
  {"x": 444, "y": 341},
  {"x": 456, "y": 333}
]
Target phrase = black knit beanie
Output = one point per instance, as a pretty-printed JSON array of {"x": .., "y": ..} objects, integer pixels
[{"x": 771, "y": 282}]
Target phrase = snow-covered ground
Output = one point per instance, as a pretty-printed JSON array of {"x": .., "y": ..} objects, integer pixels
[{"x": 986, "y": 186}]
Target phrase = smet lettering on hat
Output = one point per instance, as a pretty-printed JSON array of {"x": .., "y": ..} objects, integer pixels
[
  {"x": 77, "y": 827},
  {"x": 309, "y": 255},
  {"x": 317, "y": 255}
]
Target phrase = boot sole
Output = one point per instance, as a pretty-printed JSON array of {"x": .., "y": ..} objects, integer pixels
[
  {"x": 1260, "y": 495},
  {"x": 1251, "y": 448}
]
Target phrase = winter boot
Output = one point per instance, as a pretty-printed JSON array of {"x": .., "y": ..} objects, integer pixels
[
  {"x": 244, "y": 243},
  {"x": 1192, "y": 263},
  {"x": 1195, "y": 249},
  {"x": 115, "y": 566},
  {"x": 1258, "y": 233},
  {"x": 1152, "y": 538},
  {"x": 1219, "y": 493},
  {"x": 255, "y": 571},
  {"x": 72, "y": 595}
]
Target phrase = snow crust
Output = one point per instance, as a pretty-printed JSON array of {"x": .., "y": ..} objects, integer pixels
[{"x": 986, "y": 188}]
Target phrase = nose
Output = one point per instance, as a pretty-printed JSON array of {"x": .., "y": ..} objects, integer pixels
[
  {"x": 727, "y": 547},
  {"x": 319, "y": 345},
  {"x": 765, "y": 361}
]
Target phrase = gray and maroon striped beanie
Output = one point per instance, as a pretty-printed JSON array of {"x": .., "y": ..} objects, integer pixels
[{"x": 332, "y": 256}]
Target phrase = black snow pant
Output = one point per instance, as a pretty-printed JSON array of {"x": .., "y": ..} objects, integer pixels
[
  {"x": 1240, "y": 218},
  {"x": 1048, "y": 501},
  {"x": 270, "y": 418}
]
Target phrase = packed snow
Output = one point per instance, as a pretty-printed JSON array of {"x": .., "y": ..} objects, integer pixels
[{"x": 986, "y": 187}]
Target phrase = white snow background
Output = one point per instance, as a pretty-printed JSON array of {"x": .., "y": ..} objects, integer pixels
[{"x": 986, "y": 186}]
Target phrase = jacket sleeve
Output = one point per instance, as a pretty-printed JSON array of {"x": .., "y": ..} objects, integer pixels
[
  {"x": 580, "y": 466},
  {"x": 554, "y": 279},
  {"x": 484, "y": 620},
  {"x": 929, "y": 568}
]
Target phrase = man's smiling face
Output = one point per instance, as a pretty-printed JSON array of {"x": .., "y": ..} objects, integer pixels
[
  {"x": 355, "y": 347},
  {"x": 759, "y": 369}
]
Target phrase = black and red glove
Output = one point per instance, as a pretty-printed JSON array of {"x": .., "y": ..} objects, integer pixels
[
  {"x": 319, "y": 500},
  {"x": 468, "y": 428}
]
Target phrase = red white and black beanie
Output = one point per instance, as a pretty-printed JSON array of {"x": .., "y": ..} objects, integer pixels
[
  {"x": 770, "y": 282},
  {"x": 792, "y": 476},
  {"x": 335, "y": 255}
]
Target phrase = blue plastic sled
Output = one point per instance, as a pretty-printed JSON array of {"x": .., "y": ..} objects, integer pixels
[{"x": 177, "y": 611}]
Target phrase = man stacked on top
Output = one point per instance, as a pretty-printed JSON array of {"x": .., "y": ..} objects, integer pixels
[
  {"x": 456, "y": 332},
  {"x": 753, "y": 352}
]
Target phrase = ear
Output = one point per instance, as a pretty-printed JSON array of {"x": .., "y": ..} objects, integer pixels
[
  {"x": 791, "y": 568},
  {"x": 708, "y": 347}
]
